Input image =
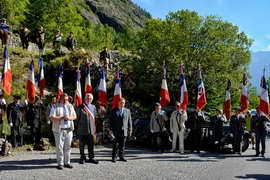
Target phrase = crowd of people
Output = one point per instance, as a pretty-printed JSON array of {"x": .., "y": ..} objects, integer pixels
[{"x": 84, "y": 121}]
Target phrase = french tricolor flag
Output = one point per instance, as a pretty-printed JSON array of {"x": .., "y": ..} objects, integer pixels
[
  {"x": 117, "y": 91},
  {"x": 183, "y": 89},
  {"x": 41, "y": 81},
  {"x": 264, "y": 98},
  {"x": 201, "y": 96},
  {"x": 244, "y": 102},
  {"x": 31, "y": 87},
  {"x": 227, "y": 103},
  {"x": 164, "y": 92},
  {"x": 102, "y": 89},
  {"x": 78, "y": 93},
  {"x": 88, "y": 87},
  {"x": 7, "y": 75},
  {"x": 60, "y": 82}
]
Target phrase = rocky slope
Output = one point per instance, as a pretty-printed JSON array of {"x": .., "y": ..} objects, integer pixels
[{"x": 114, "y": 13}]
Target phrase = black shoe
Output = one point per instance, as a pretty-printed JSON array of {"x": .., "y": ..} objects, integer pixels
[
  {"x": 60, "y": 167},
  {"x": 92, "y": 160},
  {"x": 82, "y": 161},
  {"x": 123, "y": 159},
  {"x": 68, "y": 166},
  {"x": 263, "y": 156},
  {"x": 113, "y": 160},
  {"x": 257, "y": 155}
]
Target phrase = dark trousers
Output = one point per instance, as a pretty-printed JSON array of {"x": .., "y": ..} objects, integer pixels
[
  {"x": 159, "y": 141},
  {"x": 86, "y": 140},
  {"x": 196, "y": 136},
  {"x": 260, "y": 139},
  {"x": 36, "y": 132},
  {"x": 119, "y": 146},
  {"x": 15, "y": 137},
  {"x": 237, "y": 138}
]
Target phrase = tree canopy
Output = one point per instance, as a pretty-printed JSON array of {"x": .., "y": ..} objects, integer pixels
[{"x": 186, "y": 38}]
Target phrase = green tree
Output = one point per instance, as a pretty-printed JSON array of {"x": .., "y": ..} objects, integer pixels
[
  {"x": 187, "y": 38},
  {"x": 14, "y": 11}
]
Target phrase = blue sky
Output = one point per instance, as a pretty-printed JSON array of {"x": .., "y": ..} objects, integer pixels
[{"x": 251, "y": 16}]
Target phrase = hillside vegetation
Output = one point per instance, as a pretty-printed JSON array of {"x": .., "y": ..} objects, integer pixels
[{"x": 183, "y": 37}]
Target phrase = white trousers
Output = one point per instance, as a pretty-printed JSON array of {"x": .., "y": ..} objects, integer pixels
[
  {"x": 63, "y": 146},
  {"x": 180, "y": 135}
]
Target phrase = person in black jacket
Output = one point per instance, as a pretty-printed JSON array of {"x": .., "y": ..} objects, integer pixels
[
  {"x": 71, "y": 42},
  {"x": 120, "y": 125},
  {"x": 237, "y": 124},
  {"x": 259, "y": 127},
  {"x": 15, "y": 116},
  {"x": 194, "y": 124}
]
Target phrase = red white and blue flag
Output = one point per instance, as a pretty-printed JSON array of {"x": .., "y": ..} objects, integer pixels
[
  {"x": 244, "y": 102},
  {"x": 31, "y": 86},
  {"x": 88, "y": 87},
  {"x": 7, "y": 75},
  {"x": 41, "y": 77},
  {"x": 183, "y": 89},
  {"x": 60, "y": 82},
  {"x": 228, "y": 102},
  {"x": 164, "y": 92},
  {"x": 78, "y": 93},
  {"x": 102, "y": 88},
  {"x": 201, "y": 96},
  {"x": 117, "y": 95},
  {"x": 264, "y": 98}
]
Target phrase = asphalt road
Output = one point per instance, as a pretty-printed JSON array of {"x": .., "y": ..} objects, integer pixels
[{"x": 142, "y": 164}]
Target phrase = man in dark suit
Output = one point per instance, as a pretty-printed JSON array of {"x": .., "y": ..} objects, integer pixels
[
  {"x": 120, "y": 124},
  {"x": 259, "y": 127},
  {"x": 237, "y": 124}
]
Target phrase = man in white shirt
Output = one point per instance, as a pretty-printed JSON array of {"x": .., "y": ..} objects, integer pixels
[{"x": 62, "y": 117}]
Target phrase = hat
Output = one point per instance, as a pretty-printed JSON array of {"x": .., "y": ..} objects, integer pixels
[
  {"x": 16, "y": 96},
  {"x": 157, "y": 104}
]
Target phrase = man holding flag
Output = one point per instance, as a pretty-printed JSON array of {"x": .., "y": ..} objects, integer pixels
[{"x": 260, "y": 119}]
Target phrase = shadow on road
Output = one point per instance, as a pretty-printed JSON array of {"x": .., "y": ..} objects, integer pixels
[
  {"x": 259, "y": 159},
  {"x": 27, "y": 164},
  {"x": 255, "y": 176}
]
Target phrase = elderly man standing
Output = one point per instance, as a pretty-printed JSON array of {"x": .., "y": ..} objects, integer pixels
[
  {"x": 259, "y": 127},
  {"x": 86, "y": 114},
  {"x": 157, "y": 127},
  {"x": 120, "y": 125},
  {"x": 62, "y": 117},
  {"x": 238, "y": 125},
  {"x": 177, "y": 126}
]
